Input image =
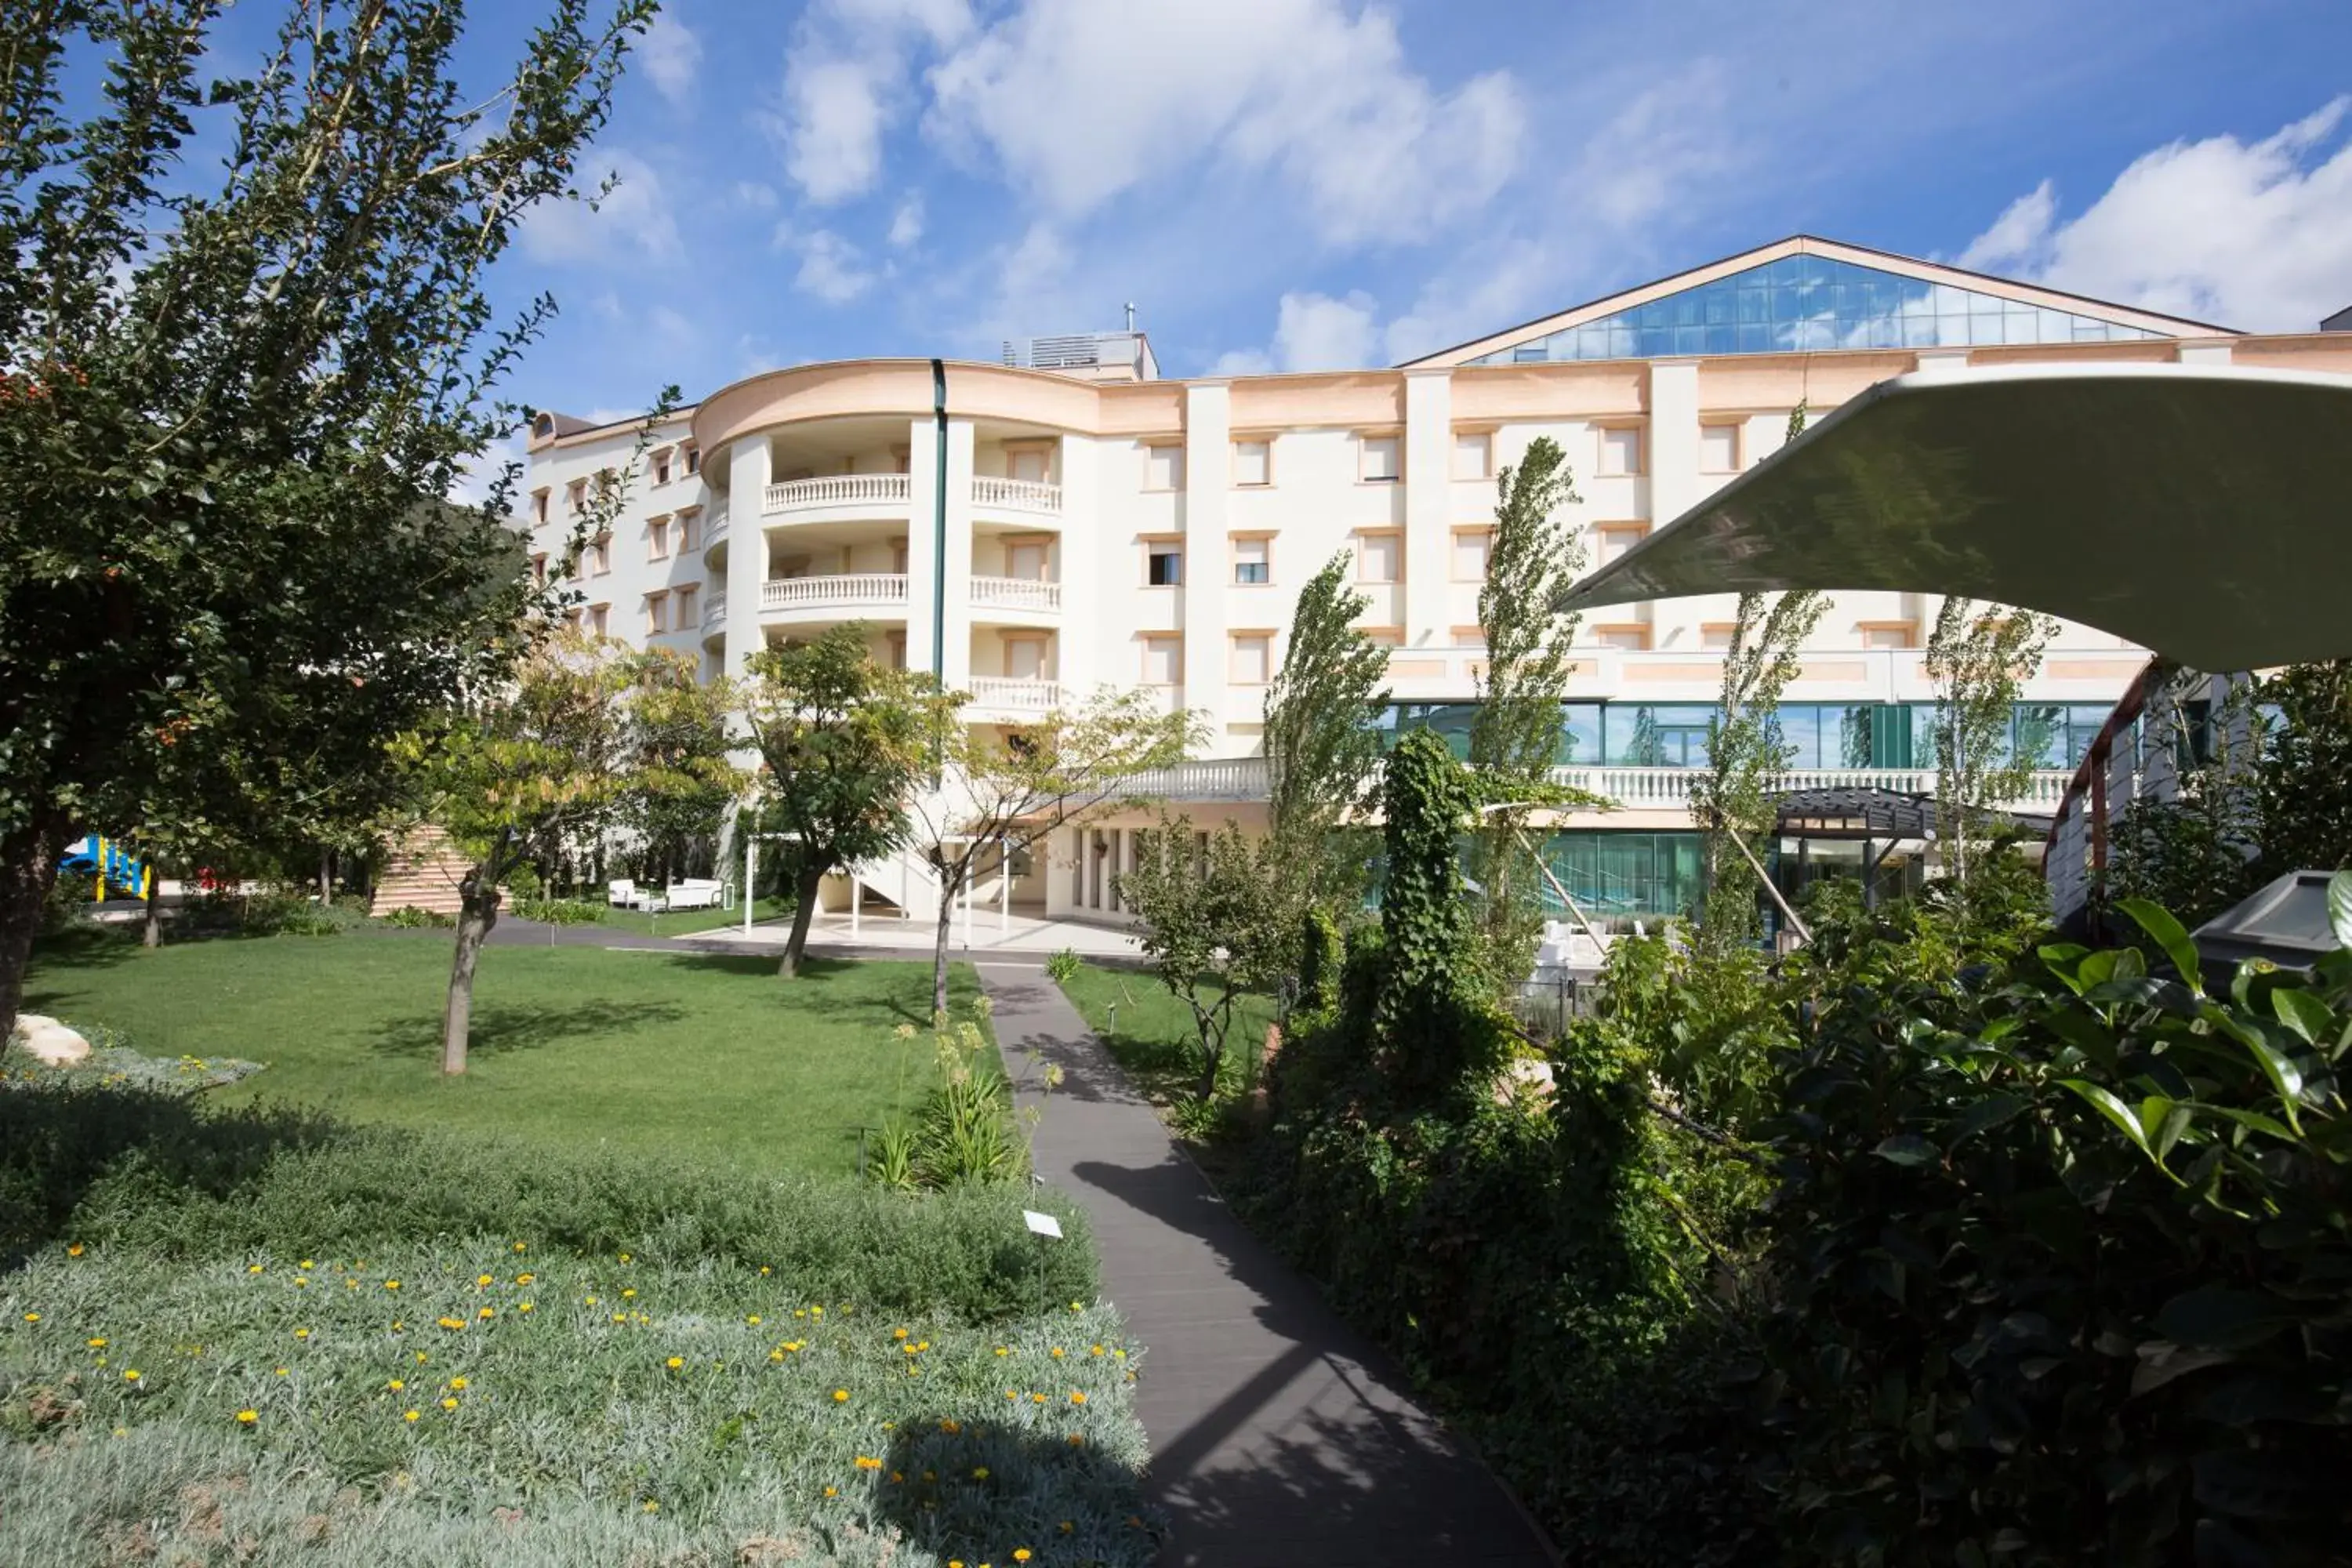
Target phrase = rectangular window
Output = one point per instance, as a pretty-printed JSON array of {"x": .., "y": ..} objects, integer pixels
[
  {"x": 1715, "y": 635},
  {"x": 539, "y": 505},
  {"x": 1380, "y": 558},
  {"x": 1470, "y": 549},
  {"x": 1026, "y": 464},
  {"x": 1889, "y": 634},
  {"x": 575, "y": 495},
  {"x": 1378, "y": 460},
  {"x": 600, "y": 555},
  {"x": 1250, "y": 661},
  {"x": 1621, "y": 451},
  {"x": 1610, "y": 540},
  {"x": 1719, "y": 448},
  {"x": 682, "y": 601},
  {"x": 1024, "y": 560},
  {"x": 1474, "y": 455},
  {"x": 1253, "y": 559},
  {"x": 657, "y": 539},
  {"x": 1626, "y": 636},
  {"x": 538, "y": 569},
  {"x": 693, "y": 459},
  {"x": 1383, "y": 637},
  {"x": 895, "y": 644},
  {"x": 661, "y": 466},
  {"x": 1163, "y": 661},
  {"x": 597, "y": 615},
  {"x": 686, "y": 521},
  {"x": 1164, "y": 564},
  {"x": 1024, "y": 659},
  {"x": 656, "y": 613},
  {"x": 1473, "y": 638},
  {"x": 1164, "y": 468},
  {"x": 1254, "y": 462}
]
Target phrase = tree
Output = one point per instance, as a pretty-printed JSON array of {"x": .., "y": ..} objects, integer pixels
[
  {"x": 1979, "y": 658},
  {"x": 1217, "y": 924},
  {"x": 2303, "y": 783},
  {"x": 1000, "y": 792},
  {"x": 582, "y": 731},
  {"x": 841, "y": 744},
  {"x": 1532, "y": 560},
  {"x": 2194, "y": 853},
  {"x": 232, "y": 405},
  {"x": 1321, "y": 751}
]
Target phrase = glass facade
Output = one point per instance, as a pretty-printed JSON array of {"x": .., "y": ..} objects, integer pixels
[
  {"x": 1807, "y": 302},
  {"x": 1820, "y": 735},
  {"x": 1628, "y": 875}
]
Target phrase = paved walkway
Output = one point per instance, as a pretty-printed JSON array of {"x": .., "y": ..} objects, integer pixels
[{"x": 1278, "y": 1437}]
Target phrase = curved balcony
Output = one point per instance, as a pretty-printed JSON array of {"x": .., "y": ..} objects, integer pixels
[
  {"x": 714, "y": 538},
  {"x": 790, "y": 597},
  {"x": 714, "y": 614},
  {"x": 1024, "y": 594},
  {"x": 835, "y": 495},
  {"x": 1016, "y": 495}
]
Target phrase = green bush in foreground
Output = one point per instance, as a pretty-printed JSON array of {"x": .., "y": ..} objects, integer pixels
[
  {"x": 267, "y": 1339},
  {"x": 561, "y": 912}
]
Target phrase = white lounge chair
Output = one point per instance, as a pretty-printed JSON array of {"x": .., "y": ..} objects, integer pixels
[
  {"x": 694, "y": 893},
  {"x": 621, "y": 895}
]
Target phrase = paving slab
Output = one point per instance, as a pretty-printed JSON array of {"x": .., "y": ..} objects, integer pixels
[{"x": 1278, "y": 1436}]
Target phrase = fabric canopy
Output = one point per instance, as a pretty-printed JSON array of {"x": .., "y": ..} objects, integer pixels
[{"x": 2204, "y": 512}]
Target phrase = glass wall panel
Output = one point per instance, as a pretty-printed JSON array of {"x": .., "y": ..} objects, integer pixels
[
  {"x": 1620, "y": 876},
  {"x": 1807, "y": 302}
]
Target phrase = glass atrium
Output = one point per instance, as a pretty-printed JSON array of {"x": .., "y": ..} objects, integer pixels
[{"x": 1809, "y": 302}]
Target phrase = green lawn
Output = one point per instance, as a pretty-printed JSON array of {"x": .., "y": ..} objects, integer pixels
[
  {"x": 1150, "y": 1033},
  {"x": 686, "y": 922},
  {"x": 697, "y": 1054}
]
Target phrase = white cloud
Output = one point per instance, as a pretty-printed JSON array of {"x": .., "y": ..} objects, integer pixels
[
  {"x": 907, "y": 223},
  {"x": 2250, "y": 234},
  {"x": 1300, "y": 87},
  {"x": 831, "y": 267},
  {"x": 477, "y": 477},
  {"x": 844, "y": 87},
  {"x": 755, "y": 195},
  {"x": 1312, "y": 331},
  {"x": 631, "y": 222},
  {"x": 673, "y": 56}
]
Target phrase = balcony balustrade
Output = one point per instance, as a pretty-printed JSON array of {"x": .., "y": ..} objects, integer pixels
[
  {"x": 1017, "y": 594},
  {"x": 835, "y": 489},
  {"x": 1016, "y": 695},
  {"x": 1016, "y": 495},
  {"x": 856, "y": 588}
]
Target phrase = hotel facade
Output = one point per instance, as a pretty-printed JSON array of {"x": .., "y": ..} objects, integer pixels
[{"x": 1068, "y": 519}]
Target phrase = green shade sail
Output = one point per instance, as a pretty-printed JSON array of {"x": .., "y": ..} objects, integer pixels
[{"x": 2203, "y": 511}]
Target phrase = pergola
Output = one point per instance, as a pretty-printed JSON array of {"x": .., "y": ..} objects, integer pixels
[
  {"x": 2204, "y": 511},
  {"x": 1881, "y": 821}
]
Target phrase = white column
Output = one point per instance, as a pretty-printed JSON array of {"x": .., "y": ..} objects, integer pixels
[
  {"x": 1670, "y": 456},
  {"x": 922, "y": 567},
  {"x": 958, "y": 565},
  {"x": 748, "y": 468},
  {"x": 1428, "y": 508},
  {"x": 1208, "y": 456},
  {"x": 1083, "y": 664}
]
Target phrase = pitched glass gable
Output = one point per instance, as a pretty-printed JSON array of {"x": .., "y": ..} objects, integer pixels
[{"x": 1807, "y": 302}]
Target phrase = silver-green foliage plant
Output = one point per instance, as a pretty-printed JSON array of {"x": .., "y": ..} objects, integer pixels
[
  {"x": 1322, "y": 753},
  {"x": 249, "y": 356},
  {"x": 1217, "y": 924},
  {"x": 1533, "y": 559}
]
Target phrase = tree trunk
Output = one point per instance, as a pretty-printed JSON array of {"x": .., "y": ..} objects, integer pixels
[
  {"x": 326, "y": 878},
  {"x": 151, "y": 932},
  {"x": 479, "y": 895},
  {"x": 797, "y": 943},
  {"x": 28, "y": 869},
  {"x": 940, "y": 951}
]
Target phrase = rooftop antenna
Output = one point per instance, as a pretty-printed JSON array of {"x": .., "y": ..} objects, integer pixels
[{"x": 1130, "y": 315}]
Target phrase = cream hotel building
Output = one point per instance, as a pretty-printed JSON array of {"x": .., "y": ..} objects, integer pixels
[{"x": 1092, "y": 523}]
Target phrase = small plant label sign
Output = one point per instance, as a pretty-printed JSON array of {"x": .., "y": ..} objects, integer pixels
[{"x": 1043, "y": 1224}]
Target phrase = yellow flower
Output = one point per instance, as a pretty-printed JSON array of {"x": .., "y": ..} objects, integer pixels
[
  {"x": 392, "y": 1284},
  {"x": 1067, "y": 1527},
  {"x": 898, "y": 1334},
  {"x": 979, "y": 1472},
  {"x": 398, "y": 1327},
  {"x": 251, "y": 1269},
  {"x": 841, "y": 1397},
  {"x": 1036, "y": 1399},
  {"x": 523, "y": 1307},
  {"x": 816, "y": 1311},
  {"x": 487, "y": 1313},
  {"x": 1055, "y": 1353},
  {"x": 248, "y": 1418},
  {"x": 408, "y": 1415},
  {"x": 763, "y": 1269},
  {"x": 420, "y": 1357},
  {"x": 867, "y": 1462},
  {"x": 1021, "y": 1554},
  {"x": 395, "y": 1385},
  {"x": 753, "y": 1320},
  {"x": 306, "y": 1263},
  {"x": 1094, "y": 1350},
  {"x": 629, "y": 1295},
  {"x": 76, "y": 1251},
  {"x": 451, "y": 1322},
  {"x": 450, "y": 1402},
  {"x": 480, "y": 1279},
  {"x": 301, "y": 1283},
  {"x": 458, "y": 1383},
  {"x": 1001, "y": 1350},
  {"x": 130, "y": 1374},
  {"x": 652, "y": 1507},
  {"x": 526, "y": 1278},
  {"x": 674, "y": 1362},
  {"x": 519, "y": 1246},
  {"x": 32, "y": 1317},
  {"x": 302, "y": 1333},
  {"x": 831, "y": 1491},
  {"x": 624, "y": 1258},
  {"x": 589, "y": 1301},
  {"x": 98, "y": 1344},
  {"x": 1119, "y": 1355},
  {"x": 910, "y": 1349},
  {"x": 949, "y": 1426},
  {"x": 776, "y": 1354},
  {"x": 281, "y": 1372}
]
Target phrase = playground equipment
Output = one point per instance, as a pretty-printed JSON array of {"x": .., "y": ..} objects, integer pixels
[{"x": 111, "y": 865}]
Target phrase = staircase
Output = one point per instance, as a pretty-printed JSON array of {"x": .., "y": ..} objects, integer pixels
[{"x": 421, "y": 872}]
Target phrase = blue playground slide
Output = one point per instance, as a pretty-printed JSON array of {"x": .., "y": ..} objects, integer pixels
[{"x": 117, "y": 870}]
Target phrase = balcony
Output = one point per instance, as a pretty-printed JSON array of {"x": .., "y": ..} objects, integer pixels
[
  {"x": 855, "y": 590},
  {"x": 1000, "y": 694},
  {"x": 1672, "y": 787},
  {"x": 834, "y": 491},
  {"x": 1017, "y": 594},
  {"x": 1016, "y": 495},
  {"x": 714, "y": 612},
  {"x": 1218, "y": 779},
  {"x": 714, "y": 527}
]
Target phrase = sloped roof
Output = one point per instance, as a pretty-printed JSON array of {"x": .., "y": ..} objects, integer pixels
[
  {"x": 2195, "y": 509},
  {"x": 1806, "y": 293}
]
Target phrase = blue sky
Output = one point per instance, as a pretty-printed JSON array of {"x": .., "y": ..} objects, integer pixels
[{"x": 1311, "y": 184}]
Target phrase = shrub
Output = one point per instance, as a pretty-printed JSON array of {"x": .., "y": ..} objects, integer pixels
[
  {"x": 1062, "y": 967},
  {"x": 561, "y": 912},
  {"x": 408, "y": 917},
  {"x": 2065, "y": 1272}
]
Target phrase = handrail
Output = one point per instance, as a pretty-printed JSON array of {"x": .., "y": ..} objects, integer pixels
[
  {"x": 832, "y": 489},
  {"x": 1017, "y": 495},
  {"x": 1017, "y": 594},
  {"x": 850, "y": 588},
  {"x": 1022, "y": 696}
]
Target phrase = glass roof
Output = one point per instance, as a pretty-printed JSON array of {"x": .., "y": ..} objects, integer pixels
[{"x": 1803, "y": 303}]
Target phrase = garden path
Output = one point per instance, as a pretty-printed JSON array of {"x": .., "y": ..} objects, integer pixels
[{"x": 1278, "y": 1436}]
